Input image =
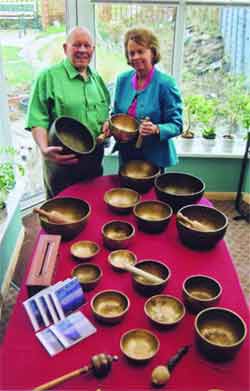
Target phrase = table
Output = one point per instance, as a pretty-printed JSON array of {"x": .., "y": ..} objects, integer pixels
[{"x": 26, "y": 364}]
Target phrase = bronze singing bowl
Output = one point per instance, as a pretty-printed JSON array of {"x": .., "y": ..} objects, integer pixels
[
  {"x": 164, "y": 310},
  {"x": 215, "y": 221},
  {"x": 117, "y": 234},
  {"x": 178, "y": 189},
  {"x": 88, "y": 274},
  {"x": 138, "y": 175},
  {"x": 121, "y": 199},
  {"x": 74, "y": 209},
  {"x": 220, "y": 333},
  {"x": 139, "y": 345},
  {"x": 110, "y": 306},
  {"x": 84, "y": 250},
  {"x": 157, "y": 268},
  {"x": 200, "y": 292},
  {"x": 72, "y": 135},
  {"x": 123, "y": 127},
  {"x": 152, "y": 216},
  {"x": 117, "y": 259}
]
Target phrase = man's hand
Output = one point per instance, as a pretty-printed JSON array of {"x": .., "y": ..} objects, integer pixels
[
  {"x": 55, "y": 155},
  {"x": 105, "y": 133}
]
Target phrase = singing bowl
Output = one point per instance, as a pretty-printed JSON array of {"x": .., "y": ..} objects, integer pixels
[
  {"x": 117, "y": 234},
  {"x": 110, "y": 306},
  {"x": 164, "y": 310},
  {"x": 200, "y": 292},
  {"x": 178, "y": 189},
  {"x": 118, "y": 257},
  {"x": 138, "y": 175},
  {"x": 121, "y": 199},
  {"x": 88, "y": 274},
  {"x": 74, "y": 209},
  {"x": 84, "y": 250},
  {"x": 157, "y": 268},
  {"x": 72, "y": 135},
  {"x": 139, "y": 345},
  {"x": 215, "y": 221},
  {"x": 220, "y": 333},
  {"x": 152, "y": 216},
  {"x": 123, "y": 127}
]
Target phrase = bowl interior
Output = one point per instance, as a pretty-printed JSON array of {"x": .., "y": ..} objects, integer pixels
[
  {"x": 202, "y": 288},
  {"x": 118, "y": 257},
  {"x": 86, "y": 273},
  {"x": 164, "y": 309},
  {"x": 152, "y": 210},
  {"x": 121, "y": 197},
  {"x": 110, "y": 304},
  {"x": 124, "y": 122},
  {"x": 139, "y": 169},
  {"x": 74, "y": 209},
  {"x": 220, "y": 327},
  {"x": 118, "y": 230},
  {"x": 139, "y": 344},
  {"x": 153, "y": 267},
  {"x": 74, "y": 135},
  {"x": 211, "y": 218},
  {"x": 84, "y": 249},
  {"x": 179, "y": 184}
]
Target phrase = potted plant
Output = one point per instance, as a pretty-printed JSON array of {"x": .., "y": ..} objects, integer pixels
[
  {"x": 206, "y": 116},
  {"x": 191, "y": 104}
]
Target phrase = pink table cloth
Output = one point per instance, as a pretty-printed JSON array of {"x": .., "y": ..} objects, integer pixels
[{"x": 25, "y": 364}]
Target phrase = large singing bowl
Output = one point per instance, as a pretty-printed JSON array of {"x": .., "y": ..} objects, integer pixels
[
  {"x": 138, "y": 175},
  {"x": 121, "y": 199},
  {"x": 178, "y": 189},
  {"x": 152, "y": 216},
  {"x": 72, "y": 135},
  {"x": 123, "y": 127},
  {"x": 212, "y": 219},
  {"x": 75, "y": 210}
]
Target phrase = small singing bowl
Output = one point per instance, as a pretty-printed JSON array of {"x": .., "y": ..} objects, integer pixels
[
  {"x": 84, "y": 250},
  {"x": 220, "y": 333},
  {"x": 118, "y": 257},
  {"x": 164, "y": 310},
  {"x": 200, "y": 292},
  {"x": 88, "y": 274},
  {"x": 123, "y": 127},
  {"x": 75, "y": 210},
  {"x": 121, "y": 199},
  {"x": 110, "y": 306},
  {"x": 152, "y": 216},
  {"x": 159, "y": 269},
  {"x": 178, "y": 189},
  {"x": 139, "y": 345},
  {"x": 214, "y": 220},
  {"x": 138, "y": 175},
  {"x": 117, "y": 234}
]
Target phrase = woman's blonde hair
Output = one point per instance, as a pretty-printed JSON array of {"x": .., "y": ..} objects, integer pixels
[{"x": 146, "y": 38}]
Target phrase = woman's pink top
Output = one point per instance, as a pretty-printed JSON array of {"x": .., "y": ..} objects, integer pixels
[{"x": 132, "y": 108}]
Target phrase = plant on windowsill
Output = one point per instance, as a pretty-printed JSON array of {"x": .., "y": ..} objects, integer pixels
[
  {"x": 191, "y": 105},
  {"x": 206, "y": 116}
]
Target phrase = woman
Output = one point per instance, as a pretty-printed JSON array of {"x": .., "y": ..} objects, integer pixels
[{"x": 150, "y": 96}]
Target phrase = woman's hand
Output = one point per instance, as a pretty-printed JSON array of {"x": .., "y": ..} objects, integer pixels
[
  {"x": 147, "y": 128},
  {"x": 55, "y": 155}
]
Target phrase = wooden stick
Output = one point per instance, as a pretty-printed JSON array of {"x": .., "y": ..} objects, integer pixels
[
  {"x": 53, "y": 216},
  {"x": 139, "y": 141},
  {"x": 61, "y": 379},
  {"x": 192, "y": 223},
  {"x": 148, "y": 276}
]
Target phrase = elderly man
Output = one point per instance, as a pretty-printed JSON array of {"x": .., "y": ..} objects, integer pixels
[{"x": 70, "y": 88}]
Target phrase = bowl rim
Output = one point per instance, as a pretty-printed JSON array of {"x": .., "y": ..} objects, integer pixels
[
  {"x": 184, "y": 289},
  {"x": 118, "y": 250},
  {"x": 203, "y": 207},
  {"x": 125, "y": 115},
  {"x": 174, "y": 298},
  {"x": 181, "y": 173},
  {"x": 118, "y": 221},
  {"x": 121, "y": 188},
  {"x": 93, "y": 266},
  {"x": 87, "y": 256},
  {"x": 155, "y": 202},
  {"x": 156, "y": 261},
  {"x": 68, "y": 198},
  {"x": 149, "y": 332},
  {"x": 143, "y": 178},
  {"x": 222, "y": 309},
  {"x": 81, "y": 124},
  {"x": 110, "y": 291}
]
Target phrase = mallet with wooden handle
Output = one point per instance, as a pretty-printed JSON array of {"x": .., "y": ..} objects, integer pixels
[
  {"x": 192, "y": 223},
  {"x": 53, "y": 216},
  {"x": 140, "y": 137},
  {"x": 147, "y": 276}
]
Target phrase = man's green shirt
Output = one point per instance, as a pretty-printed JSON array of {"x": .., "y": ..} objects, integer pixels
[{"x": 61, "y": 91}]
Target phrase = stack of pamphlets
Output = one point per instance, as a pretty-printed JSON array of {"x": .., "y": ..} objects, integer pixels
[{"x": 54, "y": 305}]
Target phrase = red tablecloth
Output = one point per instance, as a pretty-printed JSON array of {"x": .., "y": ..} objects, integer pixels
[{"x": 25, "y": 363}]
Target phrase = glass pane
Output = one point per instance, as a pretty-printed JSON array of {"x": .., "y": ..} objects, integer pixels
[
  {"x": 31, "y": 36},
  {"x": 113, "y": 20}
]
